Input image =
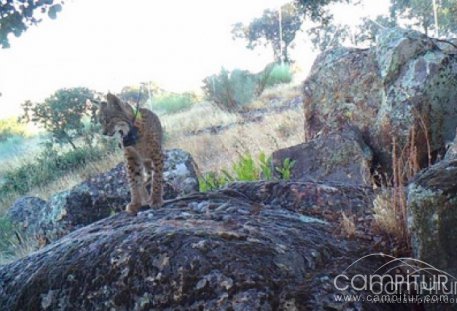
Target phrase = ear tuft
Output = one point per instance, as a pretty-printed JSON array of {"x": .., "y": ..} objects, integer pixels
[{"x": 112, "y": 99}]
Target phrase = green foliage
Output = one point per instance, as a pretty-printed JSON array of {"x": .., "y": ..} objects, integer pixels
[
  {"x": 7, "y": 236},
  {"x": 141, "y": 93},
  {"x": 13, "y": 243},
  {"x": 63, "y": 114},
  {"x": 279, "y": 74},
  {"x": 265, "y": 166},
  {"x": 6, "y": 233},
  {"x": 11, "y": 128},
  {"x": 169, "y": 103},
  {"x": 17, "y": 15},
  {"x": 272, "y": 75},
  {"x": 49, "y": 165},
  {"x": 285, "y": 170},
  {"x": 370, "y": 28},
  {"x": 246, "y": 169},
  {"x": 230, "y": 90},
  {"x": 265, "y": 30},
  {"x": 212, "y": 181},
  {"x": 314, "y": 8},
  {"x": 326, "y": 34},
  {"x": 419, "y": 13},
  {"x": 134, "y": 94}
]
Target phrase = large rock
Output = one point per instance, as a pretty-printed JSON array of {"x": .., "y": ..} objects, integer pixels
[
  {"x": 218, "y": 251},
  {"x": 341, "y": 157},
  {"x": 27, "y": 214},
  {"x": 96, "y": 198},
  {"x": 432, "y": 207},
  {"x": 391, "y": 92}
]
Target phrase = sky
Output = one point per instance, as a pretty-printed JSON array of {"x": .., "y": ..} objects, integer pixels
[{"x": 108, "y": 44}]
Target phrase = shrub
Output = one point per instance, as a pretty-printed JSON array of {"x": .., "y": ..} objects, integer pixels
[
  {"x": 279, "y": 74},
  {"x": 48, "y": 166},
  {"x": 6, "y": 233},
  {"x": 272, "y": 75},
  {"x": 230, "y": 90},
  {"x": 212, "y": 181},
  {"x": 285, "y": 171},
  {"x": 246, "y": 169},
  {"x": 169, "y": 103},
  {"x": 13, "y": 243}
]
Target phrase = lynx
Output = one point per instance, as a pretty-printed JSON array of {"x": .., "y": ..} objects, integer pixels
[{"x": 141, "y": 134}]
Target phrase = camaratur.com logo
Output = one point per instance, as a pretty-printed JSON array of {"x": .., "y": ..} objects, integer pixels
[{"x": 397, "y": 280}]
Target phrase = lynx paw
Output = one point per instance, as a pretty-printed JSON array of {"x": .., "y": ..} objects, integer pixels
[
  {"x": 133, "y": 208},
  {"x": 156, "y": 203}
]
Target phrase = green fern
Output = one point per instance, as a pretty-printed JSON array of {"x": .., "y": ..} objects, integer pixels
[
  {"x": 286, "y": 170},
  {"x": 265, "y": 166}
]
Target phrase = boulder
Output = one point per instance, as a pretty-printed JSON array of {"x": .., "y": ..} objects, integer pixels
[
  {"x": 97, "y": 198},
  {"x": 432, "y": 220},
  {"x": 403, "y": 90},
  {"x": 181, "y": 172},
  {"x": 27, "y": 214},
  {"x": 341, "y": 157},
  {"x": 227, "y": 250}
]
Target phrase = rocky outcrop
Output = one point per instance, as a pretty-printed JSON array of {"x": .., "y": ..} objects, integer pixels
[
  {"x": 96, "y": 198},
  {"x": 236, "y": 249},
  {"x": 403, "y": 90},
  {"x": 432, "y": 206},
  {"x": 341, "y": 157}
]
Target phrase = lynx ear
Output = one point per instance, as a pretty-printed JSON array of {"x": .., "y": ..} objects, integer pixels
[{"x": 113, "y": 100}]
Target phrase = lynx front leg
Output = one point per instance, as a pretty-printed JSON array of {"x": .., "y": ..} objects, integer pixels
[
  {"x": 135, "y": 178},
  {"x": 155, "y": 199}
]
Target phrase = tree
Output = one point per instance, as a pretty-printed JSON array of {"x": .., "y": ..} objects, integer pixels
[
  {"x": 326, "y": 34},
  {"x": 315, "y": 9},
  {"x": 134, "y": 94},
  {"x": 141, "y": 93},
  {"x": 62, "y": 114},
  {"x": 370, "y": 28},
  {"x": 420, "y": 14},
  {"x": 17, "y": 15},
  {"x": 268, "y": 30}
]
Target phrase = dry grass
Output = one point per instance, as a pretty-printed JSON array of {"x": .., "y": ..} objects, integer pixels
[
  {"x": 348, "y": 227},
  {"x": 214, "y": 152},
  {"x": 75, "y": 177},
  {"x": 280, "y": 92},
  {"x": 66, "y": 181},
  {"x": 200, "y": 116},
  {"x": 20, "y": 246},
  {"x": 283, "y": 91},
  {"x": 390, "y": 206},
  {"x": 385, "y": 214}
]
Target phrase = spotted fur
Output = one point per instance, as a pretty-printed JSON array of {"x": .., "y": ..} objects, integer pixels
[{"x": 144, "y": 157}]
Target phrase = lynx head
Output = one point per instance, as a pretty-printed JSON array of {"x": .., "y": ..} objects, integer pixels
[{"x": 115, "y": 116}]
